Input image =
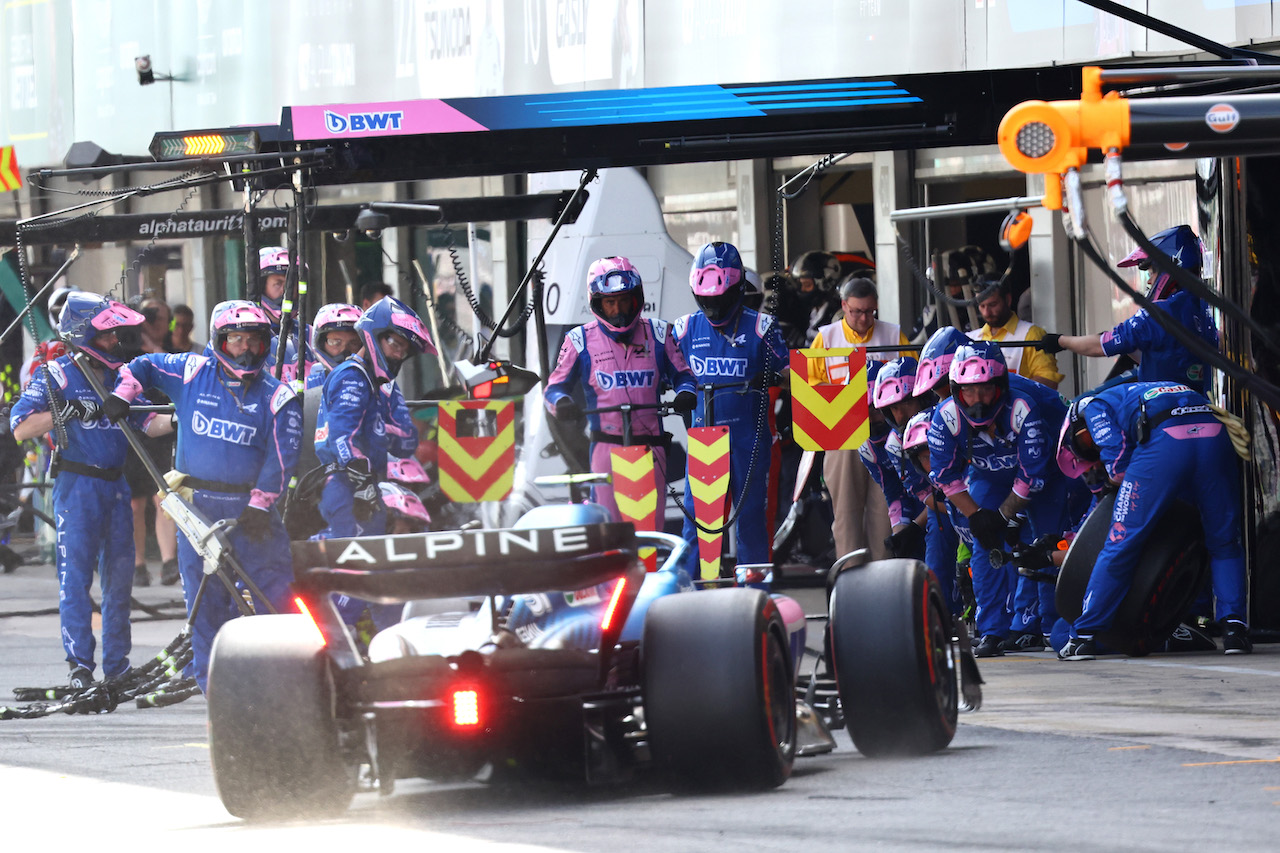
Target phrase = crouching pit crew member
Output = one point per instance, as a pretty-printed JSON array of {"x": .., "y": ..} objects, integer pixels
[
  {"x": 91, "y": 500},
  {"x": 1157, "y": 442},
  {"x": 238, "y": 434}
]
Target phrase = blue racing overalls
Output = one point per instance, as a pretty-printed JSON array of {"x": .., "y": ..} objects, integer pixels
[
  {"x": 1161, "y": 441},
  {"x": 1164, "y": 359},
  {"x": 238, "y": 446},
  {"x": 93, "y": 516},
  {"x": 747, "y": 354}
]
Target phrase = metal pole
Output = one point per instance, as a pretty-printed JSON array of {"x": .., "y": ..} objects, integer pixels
[
  {"x": 430, "y": 302},
  {"x": 32, "y": 301},
  {"x": 587, "y": 177},
  {"x": 938, "y": 211}
]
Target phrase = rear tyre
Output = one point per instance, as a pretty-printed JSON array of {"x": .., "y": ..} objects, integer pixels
[
  {"x": 718, "y": 689},
  {"x": 1168, "y": 576},
  {"x": 891, "y": 652},
  {"x": 273, "y": 736}
]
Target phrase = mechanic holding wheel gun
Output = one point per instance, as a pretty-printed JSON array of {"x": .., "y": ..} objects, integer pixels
[
  {"x": 90, "y": 496},
  {"x": 619, "y": 358},
  {"x": 238, "y": 435},
  {"x": 994, "y": 428},
  {"x": 728, "y": 344},
  {"x": 1158, "y": 441}
]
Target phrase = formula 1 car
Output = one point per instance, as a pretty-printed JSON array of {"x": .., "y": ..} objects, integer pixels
[{"x": 544, "y": 650}]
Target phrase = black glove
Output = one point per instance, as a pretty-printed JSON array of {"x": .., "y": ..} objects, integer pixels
[
  {"x": 254, "y": 523},
  {"x": 988, "y": 527},
  {"x": 1013, "y": 530},
  {"x": 685, "y": 402},
  {"x": 907, "y": 542},
  {"x": 567, "y": 410},
  {"x": 1050, "y": 344},
  {"x": 368, "y": 500},
  {"x": 114, "y": 408},
  {"x": 79, "y": 410},
  {"x": 358, "y": 473},
  {"x": 1039, "y": 554}
]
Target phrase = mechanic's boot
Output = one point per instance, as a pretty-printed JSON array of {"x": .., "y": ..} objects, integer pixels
[
  {"x": 169, "y": 572},
  {"x": 81, "y": 678},
  {"x": 1078, "y": 648},
  {"x": 989, "y": 646},
  {"x": 1235, "y": 638},
  {"x": 1027, "y": 642},
  {"x": 141, "y": 577}
]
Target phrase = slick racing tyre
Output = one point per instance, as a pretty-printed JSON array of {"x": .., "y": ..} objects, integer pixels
[
  {"x": 1169, "y": 573},
  {"x": 718, "y": 689},
  {"x": 272, "y": 733},
  {"x": 891, "y": 652}
]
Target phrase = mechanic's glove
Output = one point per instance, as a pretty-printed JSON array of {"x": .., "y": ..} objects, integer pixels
[
  {"x": 685, "y": 402},
  {"x": 907, "y": 541},
  {"x": 1013, "y": 530},
  {"x": 1050, "y": 344},
  {"x": 359, "y": 474},
  {"x": 1039, "y": 554},
  {"x": 254, "y": 523},
  {"x": 79, "y": 410},
  {"x": 114, "y": 408},
  {"x": 568, "y": 411},
  {"x": 988, "y": 527},
  {"x": 368, "y": 500}
]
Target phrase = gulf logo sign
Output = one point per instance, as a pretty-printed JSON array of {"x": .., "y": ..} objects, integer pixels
[{"x": 1222, "y": 118}]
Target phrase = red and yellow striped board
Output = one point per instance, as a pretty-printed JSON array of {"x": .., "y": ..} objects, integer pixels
[
  {"x": 709, "y": 485},
  {"x": 10, "y": 174},
  {"x": 475, "y": 469},
  {"x": 824, "y": 416},
  {"x": 636, "y": 493}
]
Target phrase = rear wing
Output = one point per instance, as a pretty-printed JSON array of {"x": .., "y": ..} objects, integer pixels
[{"x": 458, "y": 563}]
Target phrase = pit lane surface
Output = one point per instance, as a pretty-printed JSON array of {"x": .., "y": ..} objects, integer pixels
[{"x": 1162, "y": 753}]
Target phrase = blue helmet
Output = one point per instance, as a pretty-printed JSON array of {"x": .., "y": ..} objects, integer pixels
[
  {"x": 385, "y": 317},
  {"x": 85, "y": 316},
  {"x": 716, "y": 277},
  {"x": 979, "y": 363},
  {"x": 1179, "y": 243},
  {"x": 935, "y": 358}
]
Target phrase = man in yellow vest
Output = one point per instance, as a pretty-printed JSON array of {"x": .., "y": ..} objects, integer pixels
[
  {"x": 1001, "y": 324},
  {"x": 861, "y": 513}
]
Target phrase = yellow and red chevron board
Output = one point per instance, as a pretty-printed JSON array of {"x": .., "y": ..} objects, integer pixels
[
  {"x": 829, "y": 417},
  {"x": 474, "y": 469},
  {"x": 635, "y": 490},
  {"x": 10, "y": 174},
  {"x": 709, "y": 486}
]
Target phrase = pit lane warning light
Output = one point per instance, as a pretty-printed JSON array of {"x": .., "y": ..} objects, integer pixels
[
  {"x": 204, "y": 143},
  {"x": 466, "y": 708}
]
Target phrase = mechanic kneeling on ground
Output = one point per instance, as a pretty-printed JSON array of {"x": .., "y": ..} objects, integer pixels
[
  {"x": 238, "y": 435},
  {"x": 1157, "y": 442},
  {"x": 619, "y": 358}
]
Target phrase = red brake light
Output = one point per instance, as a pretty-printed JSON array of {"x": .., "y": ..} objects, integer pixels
[
  {"x": 483, "y": 391},
  {"x": 607, "y": 619},
  {"x": 466, "y": 708},
  {"x": 305, "y": 611}
]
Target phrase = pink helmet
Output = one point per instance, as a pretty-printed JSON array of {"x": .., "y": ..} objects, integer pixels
[
  {"x": 976, "y": 363},
  {"x": 612, "y": 277},
  {"x": 237, "y": 315},
  {"x": 894, "y": 382},
  {"x": 1074, "y": 451},
  {"x": 717, "y": 278},
  {"x": 915, "y": 437},
  {"x": 272, "y": 260},
  {"x": 385, "y": 316},
  {"x": 399, "y": 501},
  {"x": 87, "y": 315},
  {"x": 331, "y": 318},
  {"x": 407, "y": 471}
]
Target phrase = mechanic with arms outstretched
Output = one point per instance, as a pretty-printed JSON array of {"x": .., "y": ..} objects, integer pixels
[{"x": 618, "y": 358}]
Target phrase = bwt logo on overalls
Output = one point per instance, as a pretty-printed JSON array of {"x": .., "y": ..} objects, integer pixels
[
  {"x": 222, "y": 429},
  {"x": 624, "y": 379},
  {"x": 356, "y": 122},
  {"x": 718, "y": 366}
]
